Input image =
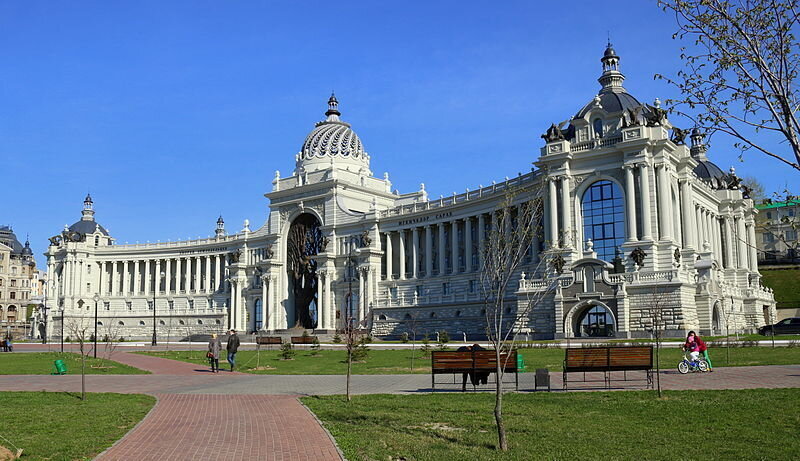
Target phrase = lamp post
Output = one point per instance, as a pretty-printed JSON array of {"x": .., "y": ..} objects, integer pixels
[
  {"x": 96, "y": 299},
  {"x": 62, "y": 328},
  {"x": 156, "y": 287}
]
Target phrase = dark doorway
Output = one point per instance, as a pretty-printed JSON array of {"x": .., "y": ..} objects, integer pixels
[{"x": 303, "y": 244}]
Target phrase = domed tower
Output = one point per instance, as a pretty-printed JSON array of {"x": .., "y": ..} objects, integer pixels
[
  {"x": 332, "y": 144},
  {"x": 88, "y": 226},
  {"x": 219, "y": 232}
]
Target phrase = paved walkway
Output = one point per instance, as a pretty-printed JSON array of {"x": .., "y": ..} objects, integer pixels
[{"x": 200, "y": 415}]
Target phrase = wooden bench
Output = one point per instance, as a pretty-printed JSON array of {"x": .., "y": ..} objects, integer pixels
[
  {"x": 449, "y": 362},
  {"x": 303, "y": 339},
  {"x": 269, "y": 340},
  {"x": 608, "y": 359}
]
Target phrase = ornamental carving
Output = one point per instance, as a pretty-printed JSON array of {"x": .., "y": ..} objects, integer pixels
[
  {"x": 557, "y": 263},
  {"x": 553, "y": 134},
  {"x": 638, "y": 255},
  {"x": 269, "y": 253},
  {"x": 366, "y": 240},
  {"x": 679, "y": 136}
]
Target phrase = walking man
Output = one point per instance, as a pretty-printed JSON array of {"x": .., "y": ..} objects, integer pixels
[{"x": 233, "y": 347}]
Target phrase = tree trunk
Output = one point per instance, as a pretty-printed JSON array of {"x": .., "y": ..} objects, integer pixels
[
  {"x": 349, "y": 366},
  {"x": 658, "y": 365},
  {"x": 83, "y": 373},
  {"x": 502, "y": 442}
]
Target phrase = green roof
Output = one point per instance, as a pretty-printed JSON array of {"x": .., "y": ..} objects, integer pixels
[{"x": 766, "y": 206}]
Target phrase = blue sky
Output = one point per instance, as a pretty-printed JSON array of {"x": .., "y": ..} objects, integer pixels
[{"x": 171, "y": 113}]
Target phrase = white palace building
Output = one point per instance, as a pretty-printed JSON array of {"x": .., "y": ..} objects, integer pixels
[{"x": 630, "y": 213}]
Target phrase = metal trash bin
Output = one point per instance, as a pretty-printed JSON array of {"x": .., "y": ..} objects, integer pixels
[
  {"x": 542, "y": 378},
  {"x": 59, "y": 367}
]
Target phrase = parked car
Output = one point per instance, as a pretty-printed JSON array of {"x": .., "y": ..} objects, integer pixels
[{"x": 788, "y": 326}]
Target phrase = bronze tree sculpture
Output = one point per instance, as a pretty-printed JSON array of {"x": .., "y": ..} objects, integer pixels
[{"x": 304, "y": 243}]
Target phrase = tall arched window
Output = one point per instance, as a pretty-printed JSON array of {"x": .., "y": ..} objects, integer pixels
[
  {"x": 598, "y": 127},
  {"x": 603, "y": 218},
  {"x": 257, "y": 310}
]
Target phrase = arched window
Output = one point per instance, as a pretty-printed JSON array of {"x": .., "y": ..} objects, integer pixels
[
  {"x": 598, "y": 127},
  {"x": 161, "y": 322},
  {"x": 381, "y": 317},
  {"x": 258, "y": 310},
  {"x": 595, "y": 321},
  {"x": 141, "y": 323},
  {"x": 603, "y": 218}
]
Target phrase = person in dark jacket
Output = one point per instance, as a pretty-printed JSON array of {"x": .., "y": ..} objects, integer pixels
[
  {"x": 233, "y": 347},
  {"x": 474, "y": 377},
  {"x": 214, "y": 347}
]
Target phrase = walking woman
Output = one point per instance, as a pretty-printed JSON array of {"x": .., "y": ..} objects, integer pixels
[{"x": 214, "y": 346}]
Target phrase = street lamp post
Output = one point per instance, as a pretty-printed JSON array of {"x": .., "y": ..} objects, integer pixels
[
  {"x": 62, "y": 329},
  {"x": 155, "y": 291},
  {"x": 96, "y": 299}
]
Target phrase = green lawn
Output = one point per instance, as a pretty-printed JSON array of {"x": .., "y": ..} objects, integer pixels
[
  {"x": 725, "y": 425},
  {"x": 59, "y": 426},
  {"x": 396, "y": 361},
  {"x": 784, "y": 282},
  {"x": 41, "y": 363}
]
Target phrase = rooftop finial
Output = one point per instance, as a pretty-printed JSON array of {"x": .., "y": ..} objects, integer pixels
[
  {"x": 333, "y": 108},
  {"x": 612, "y": 78}
]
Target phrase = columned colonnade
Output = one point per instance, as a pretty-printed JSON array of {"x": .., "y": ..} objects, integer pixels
[{"x": 190, "y": 274}]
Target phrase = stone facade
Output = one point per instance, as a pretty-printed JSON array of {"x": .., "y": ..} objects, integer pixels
[
  {"x": 17, "y": 283},
  {"x": 630, "y": 214}
]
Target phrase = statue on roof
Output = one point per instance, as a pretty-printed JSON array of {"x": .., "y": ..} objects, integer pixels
[
  {"x": 679, "y": 136},
  {"x": 553, "y": 134}
]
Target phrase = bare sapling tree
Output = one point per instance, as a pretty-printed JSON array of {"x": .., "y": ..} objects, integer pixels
[
  {"x": 110, "y": 338},
  {"x": 412, "y": 325},
  {"x": 654, "y": 314},
  {"x": 352, "y": 340},
  {"x": 79, "y": 329},
  {"x": 740, "y": 72},
  {"x": 507, "y": 246}
]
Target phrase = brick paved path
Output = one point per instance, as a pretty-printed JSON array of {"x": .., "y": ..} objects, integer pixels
[{"x": 230, "y": 427}]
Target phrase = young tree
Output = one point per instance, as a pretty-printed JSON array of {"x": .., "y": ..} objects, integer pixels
[
  {"x": 352, "y": 341},
  {"x": 412, "y": 325},
  {"x": 654, "y": 315},
  {"x": 79, "y": 329},
  {"x": 507, "y": 245},
  {"x": 740, "y": 72}
]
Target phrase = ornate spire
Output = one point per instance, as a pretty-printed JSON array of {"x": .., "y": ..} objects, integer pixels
[
  {"x": 88, "y": 209},
  {"x": 698, "y": 149},
  {"x": 220, "y": 230},
  {"x": 612, "y": 78},
  {"x": 333, "y": 109},
  {"x": 87, "y": 202}
]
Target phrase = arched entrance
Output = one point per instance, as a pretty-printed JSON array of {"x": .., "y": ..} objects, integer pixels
[
  {"x": 595, "y": 321},
  {"x": 303, "y": 243},
  {"x": 716, "y": 319}
]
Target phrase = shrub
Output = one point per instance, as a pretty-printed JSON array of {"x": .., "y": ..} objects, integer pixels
[
  {"x": 361, "y": 350},
  {"x": 426, "y": 346},
  {"x": 315, "y": 346},
  {"x": 336, "y": 338},
  {"x": 404, "y": 337},
  {"x": 444, "y": 337},
  {"x": 792, "y": 343},
  {"x": 122, "y": 339},
  {"x": 305, "y": 334},
  {"x": 287, "y": 351}
]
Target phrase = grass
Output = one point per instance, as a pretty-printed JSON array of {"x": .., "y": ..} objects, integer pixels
[
  {"x": 59, "y": 426},
  {"x": 398, "y": 361},
  {"x": 41, "y": 363},
  {"x": 553, "y": 426},
  {"x": 784, "y": 284}
]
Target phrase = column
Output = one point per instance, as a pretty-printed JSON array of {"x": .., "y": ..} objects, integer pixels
[
  {"x": 178, "y": 271},
  {"x": 217, "y": 273},
  {"x": 147, "y": 277},
  {"x": 402, "y": 253},
  {"x": 698, "y": 228},
  {"x": 187, "y": 274},
  {"x": 428, "y": 251},
  {"x": 717, "y": 239},
  {"x": 415, "y": 252},
  {"x": 330, "y": 309},
  {"x": 442, "y": 250},
  {"x": 389, "y": 256},
  {"x": 740, "y": 237},
  {"x": 111, "y": 278},
  {"x": 468, "y": 245},
  {"x": 664, "y": 203},
  {"x": 168, "y": 280},
  {"x": 137, "y": 278},
  {"x": 689, "y": 224},
  {"x": 454, "y": 245},
  {"x": 553, "y": 213},
  {"x": 751, "y": 233},
  {"x": 126, "y": 279},
  {"x": 321, "y": 306},
  {"x": 566, "y": 207},
  {"x": 264, "y": 301},
  {"x": 481, "y": 238},
  {"x": 647, "y": 232},
  {"x": 727, "y": 225},
  {"x": 196, "y": 273},
  {"x": 157, "y": 276},
  {"x": 207, "y": 280},
  {"x": 630, "y": 203},
  {"x": 232, "y": 307}
]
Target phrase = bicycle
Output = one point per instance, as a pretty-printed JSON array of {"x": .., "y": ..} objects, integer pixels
[{"x": 687, "y": 364}]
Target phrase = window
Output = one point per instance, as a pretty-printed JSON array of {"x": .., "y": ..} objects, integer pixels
[
  {"x": 596, "y": 321},
  {"x": 433, "y": 315},
  {"x": 13, "y": 283},
  {"x": 121, "y": 323},
  {"x": 161, "y": 322},
  {"x": 13, "y": 295},
  {"x": 89, "y": 269},
  {"x": 199, "y": 322},
  {"x": 603, "y": 218},
  {"x": 472, "y": 285},
  {"x": 790, "y": 212},
  {"x": 418, "y": 290},
  {"x": 458, "y": 313},
  {"x": 598, "y": 127},
  {"x": 141, "y": 323},
  {"x": 445, "y": 289},
  {"x": 181, "y": 322},
  {"x": 768, "y": 237},
  {"x": 259, "y": 314},
  {"x": 393, "y": 292},
  {"x": 218, "y": 322},
  {"x": 791, "y": 235},
  {"x": 769, "y": 215},
  {"x": 107, "y": 305},
  {"x": 381, "y": 317}
]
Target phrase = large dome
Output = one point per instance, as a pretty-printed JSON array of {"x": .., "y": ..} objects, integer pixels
[{"x": 332, "y": 141}]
